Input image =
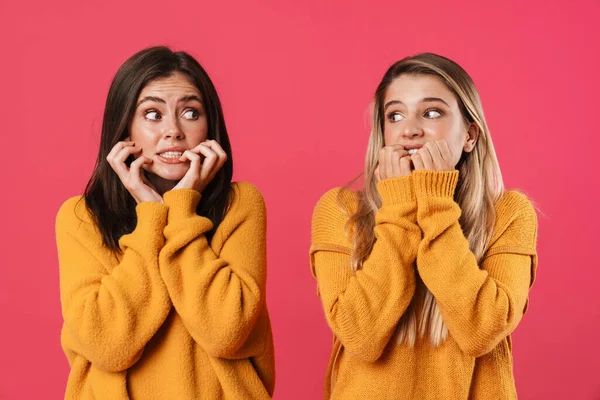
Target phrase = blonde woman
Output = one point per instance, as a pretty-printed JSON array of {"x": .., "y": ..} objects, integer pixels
[{"x": 424, "y": 272}]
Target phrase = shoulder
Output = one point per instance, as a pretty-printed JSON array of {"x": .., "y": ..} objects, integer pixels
[
  {"x": 331, "y": 214},
  {"x": 247, "y": 191},
  {"x": 246, "y": 200},
  {"x": 514, "y": 205},
  {"x": 516, "y": 219},
  {"x": 246, "y": 208},
  {"x": 72, "y": 214},
  {"x": 247, "y": 194},
  {"x": 337, "y": 201},
  {"x": 74, "y": 222}
]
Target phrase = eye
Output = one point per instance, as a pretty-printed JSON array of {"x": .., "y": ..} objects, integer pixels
[
  {"x": 152, "y": 115},
  {"x": 395, "y": 116},
  {"x": 191, "y": 114},
  {"x": 432, "y": 114}
]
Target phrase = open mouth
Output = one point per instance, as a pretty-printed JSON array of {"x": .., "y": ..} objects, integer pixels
[
  {"x": 171, "y": 155},
  {"x": 412, "y": 151}
]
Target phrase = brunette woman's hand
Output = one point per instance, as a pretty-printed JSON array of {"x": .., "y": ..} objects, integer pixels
[
  {"x": 394, "y": 161},
  {"x": 132, "y": 177},
  {"x": 206, "y": 160}
]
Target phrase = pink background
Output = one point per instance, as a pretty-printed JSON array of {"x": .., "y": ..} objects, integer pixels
[{"x": 296, "y": 78}]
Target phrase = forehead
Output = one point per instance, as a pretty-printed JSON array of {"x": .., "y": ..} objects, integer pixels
[
  {"x": 173, "y": 85},
  {"x": 411, "y": 89}
]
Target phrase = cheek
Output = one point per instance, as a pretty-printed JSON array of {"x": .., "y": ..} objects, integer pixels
[
  {"x": 442, "y": 129},
  {"x": 145, "y": 136},
  {"x": 391, "y": 134},
  {"x": 197, "y": 132},
  {"x": 456, "y": 152},
  {"x": 135, "y": 128},
  {"x": 455, "y": 135},
  {"x": 454, "y": 146}
]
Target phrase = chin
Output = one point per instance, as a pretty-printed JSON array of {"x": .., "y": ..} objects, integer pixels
[{"x": 171, "y": 172}]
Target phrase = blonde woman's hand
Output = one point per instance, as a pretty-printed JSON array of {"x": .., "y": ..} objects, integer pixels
[
  {"x": 394, "y": 161},
  {"x": 132, "y": 177},
  {"x": 206, "y": 160},
  {"x": 433, "y": 156}
]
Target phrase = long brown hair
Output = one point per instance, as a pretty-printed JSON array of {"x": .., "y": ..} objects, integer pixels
[
  {"x": 110, "y": 204},
  {"x": 480, "y": 184}
]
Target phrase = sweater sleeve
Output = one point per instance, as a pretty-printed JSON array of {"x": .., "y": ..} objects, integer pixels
[
  {"x": 364, "y": 307},
  {"x": 111, "y": 309},
  {"x": 480, "y": 304},
  {"x": 219, "y": 296}
]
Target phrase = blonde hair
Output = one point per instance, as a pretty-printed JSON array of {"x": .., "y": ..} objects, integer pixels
[{"x": 480, "y": 185}]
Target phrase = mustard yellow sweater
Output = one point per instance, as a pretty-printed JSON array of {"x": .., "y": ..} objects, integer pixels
[
  {"x": 173, "y": 316},
  {"x": 419, "y": 241}
]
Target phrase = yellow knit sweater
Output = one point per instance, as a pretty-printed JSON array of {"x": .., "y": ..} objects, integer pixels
[
  {"x": 173, "y": 316},
  {"x": 419, "y": 241}
]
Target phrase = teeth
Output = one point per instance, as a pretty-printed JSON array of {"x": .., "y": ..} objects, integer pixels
[
  {"x": 412, "y": 151},
  {"x": 171, "y": 154}
]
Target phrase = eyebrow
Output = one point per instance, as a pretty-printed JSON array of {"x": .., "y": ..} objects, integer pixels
[
  {"x": 184, "y": 99},
  {"x": 423, "y": 100}
]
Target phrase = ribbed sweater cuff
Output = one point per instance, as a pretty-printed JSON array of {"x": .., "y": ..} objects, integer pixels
[
  {"x": 148, "y": 232},
  {"x": 435, "y": 183},
  {"x": 182, "y": 203},
  {"x": 396, "y": 190},
  {"x": 151, "y": 216}
]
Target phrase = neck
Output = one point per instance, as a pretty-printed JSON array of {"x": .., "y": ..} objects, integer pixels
[{"x": 161, "y": 185}]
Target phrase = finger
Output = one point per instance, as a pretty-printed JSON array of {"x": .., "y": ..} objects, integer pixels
[
  {"x": 210, "y": 160},
  {"x": 405, "y": 166},
  {"x": 213, "y": 144},
  {"x": 125, "y": 152},
  {"x": 118, "y": 161},
  {"x": 417, "y": 161},
  {"x": 390, "y": 154},
  {"x": 193, "y": 158},
  {"x": 398, "y": 154},
  {"x": 396, "y": 146},
  {"x": 218, "y": 151},
  {"x": 382, "y": 171},
  {"x": 444, "y": 150},
  {"x": 117, "y": 148},
  {"x": 426, "y": 158},
  {"x": 377, "y": 176},
  {"x": 138, "y": 184},
  {"x": 192, "y": 177},
  {"x": 395, "y": 161},
  {"x": 436, "y": 156},
  {"x": 216, "y": 147},
  {"x": 135, "y": 173},
  {"x": 196, "y": 149}
]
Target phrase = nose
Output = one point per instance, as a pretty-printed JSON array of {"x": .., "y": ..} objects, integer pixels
[
  {"x": 172, "y": 129},
  {"x": 412, "y": 128}
]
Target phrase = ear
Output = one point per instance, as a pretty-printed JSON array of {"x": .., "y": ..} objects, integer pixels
[{"x": 472, "y": 136}]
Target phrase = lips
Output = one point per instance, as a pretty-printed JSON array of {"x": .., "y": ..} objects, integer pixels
[
  {"x": 170, "y": 155},
  {"x": 412, "y": 148}
]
